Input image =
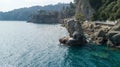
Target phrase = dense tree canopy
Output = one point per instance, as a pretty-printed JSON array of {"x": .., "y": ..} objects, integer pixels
[
  {"x": 25, "y": 13},
  {"x": 44, "y": 16},
  {"x": 68, "y": 11},
  {"x": 106, "y": 9},
  {"x": 51, "y": 16}
]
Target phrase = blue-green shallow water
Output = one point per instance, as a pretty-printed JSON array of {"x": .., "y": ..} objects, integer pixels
[{"x": 36, "y": 45}]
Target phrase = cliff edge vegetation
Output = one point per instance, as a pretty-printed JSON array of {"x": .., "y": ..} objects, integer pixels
[
  {"x": 105, "y": 9},
  {"x": 98, "y": 9}
]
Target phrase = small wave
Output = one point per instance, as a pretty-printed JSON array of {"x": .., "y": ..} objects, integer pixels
[{"x": 7, "y": 65}]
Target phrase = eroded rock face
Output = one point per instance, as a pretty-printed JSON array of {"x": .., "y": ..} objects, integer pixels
[
  {"x": 101, "y": 36},
  {"x": 78, "y": 28},
  {"x": 73, "y": 26},
  {"x": 114, "y": 36},
  {"x": 77, "y": 36},
  {"x": 84, "y": 7},
  {"x": 70, "y": 27},
  {"x": 96, "y": 33},
  {"x": 116, "y": 39},
  {"x": 80, "y": 40},
  {"x": 80, "y": 37}
]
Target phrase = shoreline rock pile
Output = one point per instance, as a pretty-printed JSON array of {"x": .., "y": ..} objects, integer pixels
[{"x": 89, "y": 32}]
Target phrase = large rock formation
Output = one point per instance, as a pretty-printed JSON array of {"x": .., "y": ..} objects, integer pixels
[
  {"x": 84, "y": 7},
  {"x": 77, "y": 36},
  {"x": 70, "y": 26},
  {"x": 101, "y": 36},
  {"x": 90, "y": 32}
]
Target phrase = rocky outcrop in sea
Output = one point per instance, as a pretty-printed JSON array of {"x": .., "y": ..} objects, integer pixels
[
  {"x": 100, "y": 33},
  {"x": 76, "y": 35}
]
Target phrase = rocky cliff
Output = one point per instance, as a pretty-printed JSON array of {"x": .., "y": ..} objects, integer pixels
[
  {"x": 76, "y": 35},
  {"x": 82, "y": 32},
  {"x": 98, "y": 33},
  {"x": 84, "y": 7}
]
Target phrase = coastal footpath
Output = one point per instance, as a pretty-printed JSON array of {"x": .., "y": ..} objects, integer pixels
[{"x": 99, "y": 33}]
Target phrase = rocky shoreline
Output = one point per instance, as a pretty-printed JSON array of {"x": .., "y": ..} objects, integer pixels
[{"x": 81, "y": 33}]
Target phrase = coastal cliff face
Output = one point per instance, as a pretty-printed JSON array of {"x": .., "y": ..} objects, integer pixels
[
  {"x": 99, "y": 33},
  {"x": 98, "y": 9},
  {"x": 84, "y": 7}
]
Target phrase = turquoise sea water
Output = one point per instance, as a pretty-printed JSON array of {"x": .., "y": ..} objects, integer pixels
[{"x": 36, "y": 45}]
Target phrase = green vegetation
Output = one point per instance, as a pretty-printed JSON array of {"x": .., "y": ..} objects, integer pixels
[
  {"x": 25, "y": 13},
  {"x": 44, "y": 16},
  {"x": 106, "y": 9},
  {"x": 79, "y": 17},
  {"x": 68, "y": 11},
  {"x": 53, "y": 16}
]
